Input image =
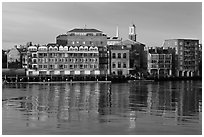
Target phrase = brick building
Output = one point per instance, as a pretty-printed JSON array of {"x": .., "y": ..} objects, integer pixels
[
  {"x": 84, "y": 54},
  {"x": 119, "y": 60},
  {"x": 186, "y": 56},
  {"x": 160, "y": 61}
]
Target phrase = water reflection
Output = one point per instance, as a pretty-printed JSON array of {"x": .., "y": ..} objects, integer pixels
[{"x": 132, "y": 104}]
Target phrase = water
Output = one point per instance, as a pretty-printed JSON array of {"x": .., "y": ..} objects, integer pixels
[{"x": 102, "y": 108}]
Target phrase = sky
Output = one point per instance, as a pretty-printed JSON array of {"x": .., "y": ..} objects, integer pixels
[{"x": 41, "y": 23}]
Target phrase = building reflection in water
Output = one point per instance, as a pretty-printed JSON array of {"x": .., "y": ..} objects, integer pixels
[{"x": 103, "y": 102}]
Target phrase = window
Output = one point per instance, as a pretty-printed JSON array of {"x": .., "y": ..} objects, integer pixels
[
  {"x": 113, "y": 65},
  {"x": 85, "y": 66},
  {"x": 75, "y": 65},
  {"x": 60, "y": 66},
  {"x": 35, "y": 61},
  {"x": 40, "y": 66},
  {"x": 51, "y": 66},
  {"x": 119, "y": 65},
  {"x": 71, "y": 66},
  {"x": 124, "y": 65},
  {"x": 81, "y": 66},
  {"x": 119, "y": 55},
  {"x": 95, "y": 66},
  {"x": 45, "y": 66},
  {"x": 124, "y": 55},
  {"x": 113, "y": 55}
]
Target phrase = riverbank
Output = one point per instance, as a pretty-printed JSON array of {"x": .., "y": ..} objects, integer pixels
[{"x": 90, "y": 79}]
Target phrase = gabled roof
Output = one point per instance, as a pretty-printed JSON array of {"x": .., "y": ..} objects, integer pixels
[
  {"x": 130, "y": 42},
  {"x": 84, "y": 30}
]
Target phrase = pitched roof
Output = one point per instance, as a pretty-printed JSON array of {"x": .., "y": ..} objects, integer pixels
[{"x": 84, "y": 30}]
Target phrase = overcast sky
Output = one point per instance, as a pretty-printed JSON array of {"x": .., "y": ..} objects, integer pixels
[{"x": 42, "y": 22}]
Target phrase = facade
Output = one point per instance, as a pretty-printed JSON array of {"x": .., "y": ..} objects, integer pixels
[
  {"x": 91, "y": 38},
  {"x": 137, "y": 57},
  {"x": 186, "y": 56},
  {"x": 85, "y": 54},
  {"x": 160, "y": 61},
  {"x": 23, "y": 56},
  {"x": 119, "y": 60}
]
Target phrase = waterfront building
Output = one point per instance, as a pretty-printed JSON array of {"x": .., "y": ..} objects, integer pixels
[
  {"x": 186, "y": 56},
  {"x": 93, "y": 43},
  {"x": 200, "y": 60},
  {"x": 85, "y": 54},
  {"x": 32, "y": 60},
  {"x": 136, "y": 56},
  {"x": 119, "y": 60},
  {"x": 160, "y": 61},
  {"x": 23, "y": 56}
]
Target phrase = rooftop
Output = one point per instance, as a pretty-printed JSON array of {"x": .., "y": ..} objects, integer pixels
[{"x": 84, "y": 30}]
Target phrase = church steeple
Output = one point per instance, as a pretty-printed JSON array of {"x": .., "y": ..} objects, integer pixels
[{"x": 132, "y": 32}]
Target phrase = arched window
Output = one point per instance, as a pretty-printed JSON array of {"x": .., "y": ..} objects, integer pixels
[
  {"x": 65, "y": 48},
  {"x": 113, "y": 55},
  {"x": 71, "y": 49},
  {"x": 61, "y": 48},
  {"x": 91, "y": 48},
  {"x": 119, "y": 55},
  {"x": 32, "y": 48},
  {"x": 50, "y": 48},
  {"x": 124, "y": 55},
  {"x": 86, "y": 48},
  {"x": 75, "y": 48},
  {"x": 96, "y": 48},
  {"x": 81, "y": 48},
  {"x": 55, "y": 48}
]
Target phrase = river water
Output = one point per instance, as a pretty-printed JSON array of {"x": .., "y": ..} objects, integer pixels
[{"x": 147, "y": 108}]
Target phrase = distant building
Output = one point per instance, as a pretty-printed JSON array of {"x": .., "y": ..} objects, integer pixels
[
  {"x": 4, "y": 58},
  {"x": 62, "y": 39},
  {"x": 14, "y": 58},
  {"x": 160, "y": 61},
  {"x": 186, "y": 56},
  {"x": 119, "y": 60},
  {"x": 116, "y": 40}
]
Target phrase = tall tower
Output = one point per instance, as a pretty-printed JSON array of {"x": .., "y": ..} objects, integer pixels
[
  {"x": 132, "y": 32},
  {"x": 117, "y": 32}
]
